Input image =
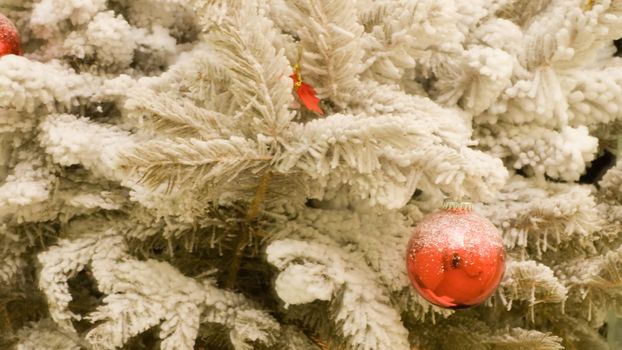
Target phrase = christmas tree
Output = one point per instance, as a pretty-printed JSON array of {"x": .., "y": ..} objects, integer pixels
[{"x": 246, "y": 174}]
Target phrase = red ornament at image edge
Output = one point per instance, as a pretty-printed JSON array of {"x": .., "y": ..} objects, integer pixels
[
  {"x": 455, "y": 257},
  {"x": 9, "y": 38}
]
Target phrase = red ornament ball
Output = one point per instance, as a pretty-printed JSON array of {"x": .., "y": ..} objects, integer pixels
[
  {"x": 455, "y": 257},
  {"x": 9, "y": 38}
]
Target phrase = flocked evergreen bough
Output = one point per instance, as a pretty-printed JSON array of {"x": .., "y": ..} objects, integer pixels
[{"x": 161, "y": 187}]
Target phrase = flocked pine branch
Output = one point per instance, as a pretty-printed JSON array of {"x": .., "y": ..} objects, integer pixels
[
  {"x": 259, "y": 73},
  {"x": 595, "y": 98},
  {"x": 542, "y": 217},
  {"x": 478, "y": 173},
  {"x": 397, "y": 34},
  {"x": 455, "y": 332},
  {"x": 474, "y": 334},
  {"x": 71, "y": 140},
  {"x": 194, "y": 163},
  {"x": 64, "y": 262},
  {"x": 563, "y": 154},
  {"x": 586, "y": 29},
  {"x": 205, "y": 79},
  {"x": 312, "y": 271},
  {"x": 611, "y": 183},
  {"x": 156, "y": 13},
  {"x": 46, "y": 335},
  {"x": 31, "y": 86},
  {"x": 331, "y": 40},
  {"x": 596, "y": 281},
  {"x": 247, "y": 323},
  {"x": 176, "y": 117},
  {"x": 112, "y": 46},
  {"x": 372, "y": 155},
  {"x": 51, "y": 16},
  {"x": 530, "y": 282},
  {"x": 136, "y": 302},
  {"x": 112, "y": 42},
  {"x": 12, "y": 125},
  {"x": 85, "y": 197},
  {"x": 577, "y": 333},
  {"x": 499, "y": 32},
  {"x": 379, "y": 236},
  {"x": 474, "y": 78},
  {"x": 28, "y": 184},
  {"x": 294, "y": 339},
  {"x": 11, "y": 256},
  {"x": 519, "y": 11},
  {"x": 523, "y": 339},
  {"x": 541, "y": 87},
  {"x": 77, "y": 194},
  {"x": 101, "y": 36}
]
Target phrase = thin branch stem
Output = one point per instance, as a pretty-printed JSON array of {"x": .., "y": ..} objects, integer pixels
[{"x": 245, "y": 228}]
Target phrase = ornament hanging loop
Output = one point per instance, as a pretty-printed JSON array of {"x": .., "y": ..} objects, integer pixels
[
  {"x": 298, "y": 69},
  {"x": 454, "y": 205}
]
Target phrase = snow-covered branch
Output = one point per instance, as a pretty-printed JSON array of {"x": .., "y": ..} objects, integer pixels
[{"x": 323, "y": 272}]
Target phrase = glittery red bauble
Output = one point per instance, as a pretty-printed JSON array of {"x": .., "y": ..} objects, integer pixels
[
  {"x": 455, "y": 257},
  {"x": 9, "y": 38}
]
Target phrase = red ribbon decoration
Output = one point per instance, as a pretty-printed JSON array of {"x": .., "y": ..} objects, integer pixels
[{"x": 305, "y": 92}]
